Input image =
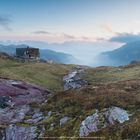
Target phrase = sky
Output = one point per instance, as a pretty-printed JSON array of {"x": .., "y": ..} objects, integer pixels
[{"x": 58, "y": 21}]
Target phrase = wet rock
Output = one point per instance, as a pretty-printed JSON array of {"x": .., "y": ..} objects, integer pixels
[
  {"x": 4, "y": 101},
  {"x": 102, "y": 119},
  {"x": 73, "y": 79},
  {"x": 14, "y": 132},
  {"x": 63, "y": 120},
  {"x": 2, "y": 134}
]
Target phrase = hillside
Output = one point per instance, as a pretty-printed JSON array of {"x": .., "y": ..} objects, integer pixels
[
  {"x": 43, "y": 74},
  {"x": 61, "y": 112},
  {"x": 124, "y": 55},
  {"x": 45, "y": 54}
]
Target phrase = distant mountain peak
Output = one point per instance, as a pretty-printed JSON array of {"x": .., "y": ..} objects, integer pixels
[{"x": 125, "y": 54}]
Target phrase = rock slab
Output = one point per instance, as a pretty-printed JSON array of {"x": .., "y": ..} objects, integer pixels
[{"x": 100, "y": 120}]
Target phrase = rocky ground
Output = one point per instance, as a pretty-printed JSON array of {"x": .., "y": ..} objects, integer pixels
[
  {"x": 18, "y": 120},
  {"x": 99, "y": 102},
  {"x": 73, "y": 80}
]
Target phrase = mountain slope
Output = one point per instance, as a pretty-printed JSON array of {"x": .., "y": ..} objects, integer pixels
[
  {"x": 125, "y": 54},
  {"x": 44, "y": 54},
  {"x": 65, "y": 111},
  {"x": 57, "y": 56},
  {"x": 44, "y": 74}
]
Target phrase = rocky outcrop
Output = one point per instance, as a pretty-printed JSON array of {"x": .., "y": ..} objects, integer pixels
[
  {"x": 4, "y": 101},
  {"x": 73, "y": 79},
  {"x": 14, "y": 132},
  {"x": 102, "y": 119},
  {"x": 17, "y": 115},
  {"x": 21, "y": 93}
]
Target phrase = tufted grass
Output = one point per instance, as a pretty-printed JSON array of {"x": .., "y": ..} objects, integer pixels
[
  {"x": 112, "y": 74},
  {"x": 47, "y": 75},
  {"x": 109, "y": 86}
]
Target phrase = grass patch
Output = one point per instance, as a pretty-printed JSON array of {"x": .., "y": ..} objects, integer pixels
[{"x": 47, "y": 75}]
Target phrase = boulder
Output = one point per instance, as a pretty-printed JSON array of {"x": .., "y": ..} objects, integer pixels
[
  {"x": 99, "y": 120},
  {"x": 14, "y": 132}
]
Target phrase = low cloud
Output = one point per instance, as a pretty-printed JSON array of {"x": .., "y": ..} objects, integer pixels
[
  {"x": 5, "y": 22},
  {"x": 125, "y": 37},
  {"x": 42, "y": 32},
  {"x": 68, "y": 36},
  {"x": 61, "y": 37}
]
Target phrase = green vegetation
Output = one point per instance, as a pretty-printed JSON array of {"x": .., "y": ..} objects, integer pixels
[
  {"x": 78, "y": 104},
  {"x": 109, "y": 86},
  {"x": 112, "y": 74},
  {"x": 47, "y": 75}
]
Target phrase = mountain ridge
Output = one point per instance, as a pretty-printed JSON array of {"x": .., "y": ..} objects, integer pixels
[
  {"x": 45, "y": 54},
  {"x": 125, "y": 54}
]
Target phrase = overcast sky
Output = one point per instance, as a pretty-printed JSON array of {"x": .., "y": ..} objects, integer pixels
[{"x": 66, "y": 20}]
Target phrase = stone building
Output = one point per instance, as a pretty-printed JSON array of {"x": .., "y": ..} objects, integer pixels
[{"x": 27, "y": 53}]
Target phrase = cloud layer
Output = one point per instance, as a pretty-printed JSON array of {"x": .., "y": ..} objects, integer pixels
[{"x": 54, "y": 37}]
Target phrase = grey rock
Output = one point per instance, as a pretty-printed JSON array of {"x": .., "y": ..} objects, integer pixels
[
  {"x": 73, "y": 79},
  {"x": 14, "y": 132},
  {"x": 4, "y": 101},
  {"x": 102, "y": 119},
  {"x": 63, "y": 120},
  {"x": 116, "y": 114},
  {"x": 16, "y": 98},
  {"x": 49, "y": 113},
  {"x": 37, "y": 115},
  {"x": 89, "y": 125},
  {"x": 51, "y": 126},
  {"x": 34, "y": 121},
  {"x": 20, "y": 113},
  {"x": 13, "y": 115}
]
